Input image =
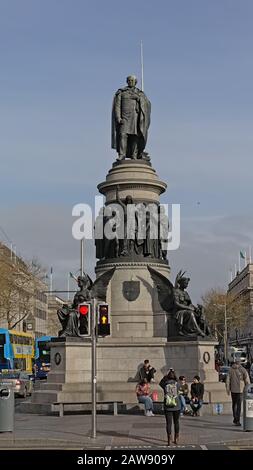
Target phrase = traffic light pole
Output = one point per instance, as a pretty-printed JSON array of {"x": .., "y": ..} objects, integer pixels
[{"x": 94, "y": 370}]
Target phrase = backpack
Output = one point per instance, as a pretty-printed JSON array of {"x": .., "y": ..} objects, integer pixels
[{"x": 171, "y": 395}]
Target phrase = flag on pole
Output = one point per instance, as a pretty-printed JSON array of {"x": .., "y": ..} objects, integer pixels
[
  {"x": 242, "y": 255},
  {"x": 51, "y": 270}
]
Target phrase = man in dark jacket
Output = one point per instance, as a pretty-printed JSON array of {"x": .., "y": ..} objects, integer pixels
[
  {"x": 197, "y": 393},
  {"x": 147, "y": 372},
  {"x": 237, "y": 378}
]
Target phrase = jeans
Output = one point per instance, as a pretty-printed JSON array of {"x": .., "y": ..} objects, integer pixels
[
  {"x": 196, "y": 405},
  {"x": 147, "y": 401},
  {"x": 236, "y": 406},
  {"x": 182, "y": 403},
  {"x": 169, "y": 415}
]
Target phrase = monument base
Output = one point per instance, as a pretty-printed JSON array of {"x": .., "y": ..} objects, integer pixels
[{"x": 118, "y": 361}]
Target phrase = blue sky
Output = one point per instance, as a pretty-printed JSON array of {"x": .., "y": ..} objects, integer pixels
[{"x": 60, "y": 64}]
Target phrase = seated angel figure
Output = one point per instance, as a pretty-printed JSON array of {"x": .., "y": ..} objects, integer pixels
[
  {"x": 176, "y": 301},
  {"x": 185, "y": 312}
]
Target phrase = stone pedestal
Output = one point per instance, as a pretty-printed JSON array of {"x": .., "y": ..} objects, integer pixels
[
  {"x": 118, "y": 362},
  {"x": 143, "y": 316}
]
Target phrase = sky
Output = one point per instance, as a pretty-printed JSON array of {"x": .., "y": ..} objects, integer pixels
[{"x": 61, "y": 62}]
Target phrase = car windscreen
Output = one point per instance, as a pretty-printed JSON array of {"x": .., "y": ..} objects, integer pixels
[
  {"x": 240, "y": 354},
  {"x": 10, "y": 376}
]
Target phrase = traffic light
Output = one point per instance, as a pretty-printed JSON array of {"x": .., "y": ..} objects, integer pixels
[
  {"x": 84, "y": 310},
  {"x": 104, "y": 327}
]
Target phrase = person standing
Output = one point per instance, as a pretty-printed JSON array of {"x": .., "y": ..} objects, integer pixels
[
  {"x": 143, "y": 396},
  {"x": 197, "y": 394},
  {"x": 172, "y": 404},
  {"x": 130, "y": 120},
  {"x": 237, "y": 378}
]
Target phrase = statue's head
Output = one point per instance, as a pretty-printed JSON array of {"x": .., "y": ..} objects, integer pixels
[
  {"x": 131, "y": 81},
  {"x": 183, "y": 282},
  {"x": 83, "y": 281},
  {"x": 129, "y": 199}
]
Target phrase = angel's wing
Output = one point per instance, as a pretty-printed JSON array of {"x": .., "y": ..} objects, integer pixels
[
  {"x": 178, "y": 276},
  {"x": 165, "y": 289},
  {"x": 90, "y": 281},
  {"x": 99, "y": 287}
]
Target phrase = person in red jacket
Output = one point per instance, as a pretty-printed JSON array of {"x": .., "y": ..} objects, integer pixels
[{"x": 143, "y": 396}]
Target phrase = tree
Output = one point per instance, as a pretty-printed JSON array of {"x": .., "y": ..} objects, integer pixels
[
  {"x": 215, "y": 301},
  {"x": 18, "y": 283}
]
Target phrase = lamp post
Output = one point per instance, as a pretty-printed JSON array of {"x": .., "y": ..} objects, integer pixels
[{"x": 225, "y": 334}]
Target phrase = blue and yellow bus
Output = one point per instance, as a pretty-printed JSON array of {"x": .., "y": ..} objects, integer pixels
[
  {"x": 42, "y": 356},
  {"x": 16, "y": 350}
]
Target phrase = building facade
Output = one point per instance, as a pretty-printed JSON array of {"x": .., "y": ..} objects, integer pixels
[
  {"x": 53, "y": 324},
  {"x": 242, "y": 285},
  {"x": 23, "y": 299}
]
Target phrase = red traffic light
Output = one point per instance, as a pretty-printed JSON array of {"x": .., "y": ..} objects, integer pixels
[{"x": 84, "y": 309}]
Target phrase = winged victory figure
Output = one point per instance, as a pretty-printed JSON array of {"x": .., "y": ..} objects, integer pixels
[{"x": 175, "y": 300}]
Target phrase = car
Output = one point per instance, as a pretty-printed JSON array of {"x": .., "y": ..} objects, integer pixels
[
  {"x": 18, "y": 381},
  {"x": 223, "y": 372}
]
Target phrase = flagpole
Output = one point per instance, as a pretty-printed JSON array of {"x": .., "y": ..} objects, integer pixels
[
  {"x": 68, "y": 286},
  {"x": 250, "y": 253},
  {"x": 235, "y": 270},
  {"x": 245, "y": 259},
  {"x": 81, "y": 256},
  {"x": 51, "y": 280},
  {"x": 142, "y": 68},
  {"x": 239, "y": 260}
]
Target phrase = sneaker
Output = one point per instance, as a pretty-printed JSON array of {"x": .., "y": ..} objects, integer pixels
[
  {"x": 151, "y": 413},
  {"x": 238, "y": 424},
  {"x": 148, "y": 413}
]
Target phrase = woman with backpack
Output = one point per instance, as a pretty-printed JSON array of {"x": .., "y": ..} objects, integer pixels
[{"x": 172, "y": 404}]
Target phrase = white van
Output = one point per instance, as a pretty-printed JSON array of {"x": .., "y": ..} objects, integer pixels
[{"x": 235, "y": 354}]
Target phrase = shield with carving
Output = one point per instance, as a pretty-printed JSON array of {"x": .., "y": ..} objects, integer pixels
[{"x": 131, "y": 290}]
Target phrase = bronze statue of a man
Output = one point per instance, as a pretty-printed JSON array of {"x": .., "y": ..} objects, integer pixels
[{"x": 130, "y": 120}]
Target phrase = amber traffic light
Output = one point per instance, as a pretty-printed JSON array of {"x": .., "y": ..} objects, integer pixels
[{"x": 104, "y": 327}]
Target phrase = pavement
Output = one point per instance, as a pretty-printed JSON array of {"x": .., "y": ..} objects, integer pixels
[{"x": 73, "y": 431}]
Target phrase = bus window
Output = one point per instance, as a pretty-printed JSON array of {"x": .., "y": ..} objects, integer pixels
[{"x": 43, "y": 361}]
